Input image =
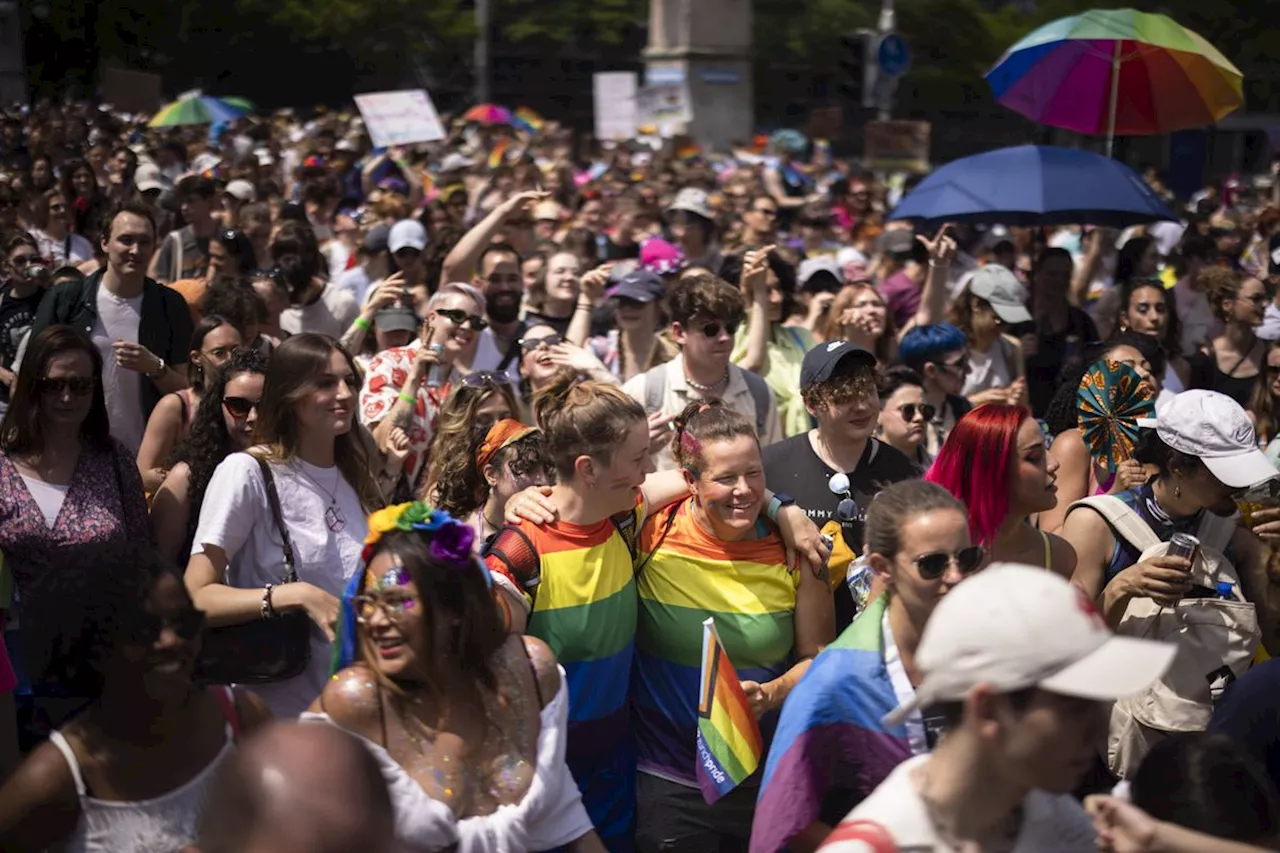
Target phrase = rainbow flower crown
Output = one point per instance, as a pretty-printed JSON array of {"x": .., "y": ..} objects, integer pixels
[{"x": 451, "y": 542}]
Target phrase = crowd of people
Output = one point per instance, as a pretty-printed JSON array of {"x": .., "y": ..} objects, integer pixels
[{"x": 376, "y": 499}]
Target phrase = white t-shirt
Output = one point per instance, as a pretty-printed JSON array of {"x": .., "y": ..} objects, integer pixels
[
  {"x": 236, "y": 517},
  {"x": 489, "y": 356},
  {"x": 1051, "y": 823},
  {"x": 72, "y": 249},
  {"x": 48, "y": 496},
  {"x": 118, "y": 320},
  {"x": 332, "y": 314}
]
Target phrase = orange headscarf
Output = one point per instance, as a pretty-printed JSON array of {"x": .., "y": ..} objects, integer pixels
[{"x": 502, "y": 434}]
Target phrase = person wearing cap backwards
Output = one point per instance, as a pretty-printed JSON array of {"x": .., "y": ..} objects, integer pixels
[
  {"x": 185, "y": 252},
  {"x": 1204, "y": 447},
  {"x": 991, "y": 302},
  {"x": 838, "y": 459},
  {"x": 1022, "y": 668}
]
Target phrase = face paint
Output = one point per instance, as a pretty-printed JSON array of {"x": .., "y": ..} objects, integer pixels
[{"x": 398, "y": 576}]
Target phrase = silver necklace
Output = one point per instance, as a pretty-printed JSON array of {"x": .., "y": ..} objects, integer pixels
[
  {"x": 697, "y": 386},
  {"x": 333, "y": 517}
]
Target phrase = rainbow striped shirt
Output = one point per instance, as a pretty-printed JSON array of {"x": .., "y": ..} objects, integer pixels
[
  {"x": 692, "y": 575},
  {"x": 579, "y": 581}
]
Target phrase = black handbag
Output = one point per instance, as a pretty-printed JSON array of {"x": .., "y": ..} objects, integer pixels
[{"x": 266, "y": 650}]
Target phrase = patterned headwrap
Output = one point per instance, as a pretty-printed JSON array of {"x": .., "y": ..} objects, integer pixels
[
  {"x": 501, "y": 435},
  {"x": 451, "y": 542}
]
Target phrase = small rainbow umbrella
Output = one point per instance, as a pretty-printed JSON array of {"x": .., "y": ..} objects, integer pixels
[
  {"x": 488, "y": 114},
  {"x": 1117, "y": 71},
  {"x": 1111, "y": 399},
  {"x": 198, "y": 108}
]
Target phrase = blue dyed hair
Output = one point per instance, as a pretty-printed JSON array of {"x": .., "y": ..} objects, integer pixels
[{"x": 924, "y": 344}]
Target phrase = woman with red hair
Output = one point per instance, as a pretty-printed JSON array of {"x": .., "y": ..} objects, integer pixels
[{"x": 996, "y": 463}]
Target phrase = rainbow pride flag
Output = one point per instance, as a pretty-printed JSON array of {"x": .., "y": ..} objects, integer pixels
[
  {"x": 498, "y": 152},
  {"x": 528, "y": 119},
  {"x": 729, "y": 741}
]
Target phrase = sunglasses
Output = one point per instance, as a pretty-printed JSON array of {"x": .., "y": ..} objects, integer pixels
[
  {"x": 458, "y": 317},
  {"x": 79, "y": 386},
  {"x": 533, "y": 344},
  {"x": 396, "y": 606},
  {"x": 712, "y": 330},
  {"x": 909, "y": 410},
  {"x": 188, "y": 624},
  {"x": 961, "y": 366},
  {"x": 933, "y": 566},
  {"x": 239, "y": 407},
  {"x": 485, "y": 379},
  {"x": 24, "y": 260}
]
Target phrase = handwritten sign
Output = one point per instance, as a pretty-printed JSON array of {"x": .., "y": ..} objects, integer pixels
[
  {"x": 400, "y": 118},
  {"x": 615, "y": 105},
  {"x": 665, "y": 106}
]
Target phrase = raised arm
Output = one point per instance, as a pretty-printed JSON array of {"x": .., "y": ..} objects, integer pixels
[
  {"x": 755, "y": 289},
  {"x": 460, "y": 263}
]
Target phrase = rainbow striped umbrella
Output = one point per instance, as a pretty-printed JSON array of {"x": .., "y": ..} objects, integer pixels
[
  {"x": 488, "y": 114},
  {"x": 197, "y": 108},
  {"x": 1117, "y": 71},
  {"x": 527, "y": 120}
]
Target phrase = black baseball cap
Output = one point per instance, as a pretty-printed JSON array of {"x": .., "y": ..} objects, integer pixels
[{"x": 821, "y": 362}]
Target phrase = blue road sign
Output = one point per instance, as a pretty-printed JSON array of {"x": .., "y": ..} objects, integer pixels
[{"x": 893, "y": 57}]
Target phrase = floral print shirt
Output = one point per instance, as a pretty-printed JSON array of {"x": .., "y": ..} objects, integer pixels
[{"x": 386, "y": 375}]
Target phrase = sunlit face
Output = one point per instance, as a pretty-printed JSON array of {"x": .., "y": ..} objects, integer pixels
[
  {"x": 1147, "y": 311},
  {"x": 867, "y": 313},
  {"x": 240, "y": 399},
  {"x": 615, "y": 486},
  {"x": 157, "y": 652},
  {"x": 706, "y": 341},
  {"x": 562, "y": 277},
  {"x": 492, "y": 410},
  {"x": 633, "y": 314},
  {"x": 505, "y": 483},
  {"x": 216, "y": 348},
  {"x": 535, "y": 354},
  {"x": 590, "y": 213},
  {"x": 1032, "y": 474},
  {"x": 1125, "y": 354},
  {"x": 65, "y": 392},
  {"x": 459, "y": 338},
  {"x": 904, "y": 417},
  {"x": 933, "y": 532},
  {"x": 389, "y": 612},
  {"x": 729, "y": 487},
  {"x": 329, "y": 408},
  {"x": 129, "y": 244}
]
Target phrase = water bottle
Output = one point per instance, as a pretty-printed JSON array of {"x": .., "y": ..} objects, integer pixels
[
  {"x": 1226, "y": 591},
  {"x": 859, "y": 580}
]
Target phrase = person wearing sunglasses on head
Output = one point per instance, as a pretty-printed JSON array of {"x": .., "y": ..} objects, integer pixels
[
  {"x": 404, "y": 387},
  {"x": 223, "y": 424},
  {"x": 831, "y": 748},
  {"x": 137, "y": 761},
  {"x": 940, "y": 354},
  {"x": 706, "y": 313}
]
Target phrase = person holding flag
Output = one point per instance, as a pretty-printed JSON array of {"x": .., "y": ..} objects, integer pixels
[{"x": 699, "y": 740}]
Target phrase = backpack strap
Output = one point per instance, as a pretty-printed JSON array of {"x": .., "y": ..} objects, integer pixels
[
  {"x": 1123, "y": 520},
  {"x": 655, "y": 388},
  {"x": 761, "y": 394},
  {"x": 1215, "y": 532}
]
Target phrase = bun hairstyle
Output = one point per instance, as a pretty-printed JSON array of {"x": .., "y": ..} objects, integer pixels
[
  {"x": 584, "y": 419},
  {"x": 703, "y": 422}
]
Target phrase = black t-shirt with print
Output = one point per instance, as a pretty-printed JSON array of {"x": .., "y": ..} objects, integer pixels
[
  {"x": 16, "y": 317},
  {"x": 792, "y": 468}
]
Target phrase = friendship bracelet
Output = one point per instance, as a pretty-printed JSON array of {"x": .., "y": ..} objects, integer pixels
[{"x": 267, "y": 611}]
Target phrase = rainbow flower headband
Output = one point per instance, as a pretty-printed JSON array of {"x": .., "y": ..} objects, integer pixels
[{"x": 451, "y": 542}]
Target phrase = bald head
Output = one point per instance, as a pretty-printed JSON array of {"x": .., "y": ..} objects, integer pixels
[{"x": 295, "y": 787}]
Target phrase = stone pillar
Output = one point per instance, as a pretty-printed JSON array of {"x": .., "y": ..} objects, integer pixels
[
  {"x": 706, "y": 45},
  {"x": 13, "y": 68}
]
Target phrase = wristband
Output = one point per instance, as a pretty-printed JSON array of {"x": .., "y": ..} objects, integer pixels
[
  {"x": 408, "y": 398},
  {"x": 363, "y": 323},
  {"x": 267, "y": 610},
  {"x": 776, "y": 503}
]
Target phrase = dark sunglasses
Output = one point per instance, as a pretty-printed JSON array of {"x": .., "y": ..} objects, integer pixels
[
  {"x": 239, "y": 407},
  {"x": 187, "y": 625},
  {"x": 532, "y": 344},
  {"x": 933, "y": 566},
  {"x": 926, "y": 410},
  {"x": 458, "y": 317},
  {"x": 79, "y": 386},
  {"x": 485, "y": 379},
  {"x": 712, "y": 330},
  {"x": 961, "y": 366},
  {"x": 24, "y": 260}
]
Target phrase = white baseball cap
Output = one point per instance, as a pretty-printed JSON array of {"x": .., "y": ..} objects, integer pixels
[
  {"x": 1013, "y": 627},
  {"x": 407, "y": 234},
  {"x": 1001, "y": 288},
  {"x": 147, "y": 177},
  {"x": 1215, "y": 429},
  {"x": 242, "y": 190}
]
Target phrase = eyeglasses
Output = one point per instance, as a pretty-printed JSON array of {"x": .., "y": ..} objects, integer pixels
[
  {"x": 909, "y": 410},
  {"x": 533, "y": 344},
  {"x": 933, "y": 566},
  {"x": 485, "y": 379},
  {"x": 458, "y": 317},
  {"x": 397, "y": 606},
  {"x": 239, "y": 407},
  {"x": 712, "y": 330},
  {"x": 187, "y": 625},
  {"x": 79, "y": 386}
]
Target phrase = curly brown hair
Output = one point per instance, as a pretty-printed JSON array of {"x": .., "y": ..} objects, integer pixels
[
  {"x": 857, "y": 380},
  {"x": 1219, "y": 284},
  {"x": 451, "y": 476},
  {"x": 705, "y": 295}
]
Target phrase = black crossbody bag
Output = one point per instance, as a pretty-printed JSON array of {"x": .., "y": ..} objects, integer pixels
[{"x": 266, "y": 650}]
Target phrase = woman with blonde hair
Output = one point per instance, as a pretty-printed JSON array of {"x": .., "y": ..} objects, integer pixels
[
  {"x": 859, "y": 315},
  {"x": 317, "y": 462}
]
